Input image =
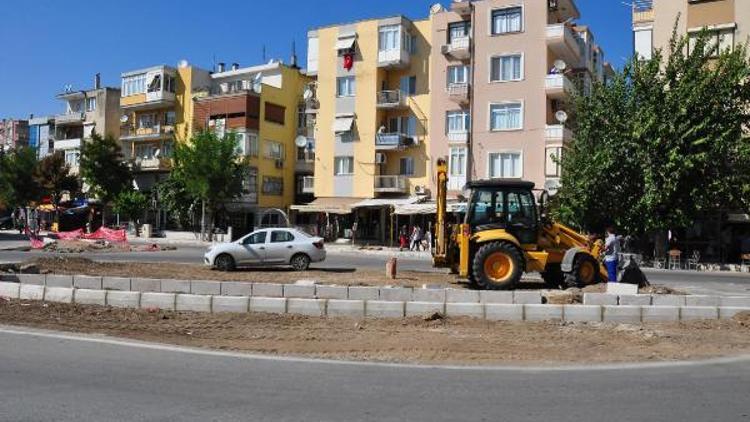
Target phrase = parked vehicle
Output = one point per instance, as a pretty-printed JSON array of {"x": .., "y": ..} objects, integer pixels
[
  {"x": 6, "y": 223},
  {"x": 268, "y": 247}
]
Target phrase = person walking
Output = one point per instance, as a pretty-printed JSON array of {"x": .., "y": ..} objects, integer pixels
[
  {"x": 611, "y": 254},
  {"x": 416, "y": 236},
  {"x": 21, "y": 220},
  {"x": 403, "y": 238}
]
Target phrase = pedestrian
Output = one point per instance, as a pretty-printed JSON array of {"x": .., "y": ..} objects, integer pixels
[
  {"x": 428, "y": 239},
  {"x": 403, "y": 238},
  {"x": 33, "y": 221},
  {"x": 21, "y": 220},
  {"x": 416, "y": 237},
  {"x": 611, "y": 254}
]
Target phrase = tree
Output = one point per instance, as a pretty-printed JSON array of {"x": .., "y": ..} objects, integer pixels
[
  {"x": 211, "y": 170},
  {"x": 52, "y": 175},
  {"x": 175, "y": 198},
  {"x": 17, "y": 184},
  {"x": 103, "y": 168},
  {"x": 131, "y": 204},
  {"x": 665, "y": 141}
]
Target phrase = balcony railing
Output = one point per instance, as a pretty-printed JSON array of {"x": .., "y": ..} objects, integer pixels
[
  {"x": 558, "y": 86},
  {"x": 565, "y": 43},
  {"x": 391, "y": 99},
  {"x": 72, "y": 117},
  {"x": 308, "y": 184},
  {"x": 385, "y": 141},
  {"x": 395, "y": 58},
  {"x": 151, "y": 163},
  {"x": 458, "y": 92},
  {"x": 458, "y": 48},
  {"x": 557, "y": 134},
  {"x": 643, "y": 11},
  {"x": 395, "y": 184},
  {"x": 153, "y": 132},
  {"x": 458, "y": 136}
]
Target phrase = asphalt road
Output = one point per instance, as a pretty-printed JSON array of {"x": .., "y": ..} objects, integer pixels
[{"x": 49, "y": 378}]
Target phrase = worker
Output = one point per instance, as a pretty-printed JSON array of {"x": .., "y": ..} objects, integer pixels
[{"x": 611, "y": 254}]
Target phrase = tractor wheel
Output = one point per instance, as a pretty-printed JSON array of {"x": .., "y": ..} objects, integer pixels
[
  {"x": 497, "y": 266},
  {"x": 585, "y": 271},
  {"x": 553, "y": 277}
]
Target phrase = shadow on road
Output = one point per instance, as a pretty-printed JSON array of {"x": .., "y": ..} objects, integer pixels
[{"x": 8, "y": 236}]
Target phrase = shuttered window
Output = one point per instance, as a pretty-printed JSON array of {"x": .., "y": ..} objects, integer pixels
[{"x": 275, "y": 113}]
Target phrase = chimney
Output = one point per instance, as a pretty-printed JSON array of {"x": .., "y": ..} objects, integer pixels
[
  {"x": 220, "y": 67},
  {"x": 293, "y": 62},
  {"x": 235, "y": 66},
  {"x": 97, "y": 81},
  {"x": 31, "y": 116}
]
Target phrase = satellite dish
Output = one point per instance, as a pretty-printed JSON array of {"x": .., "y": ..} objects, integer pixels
[
  {"x": 552, "y": 186},
  {"x": 308, "y": 94},
  {"x": 561, "y": 116},
  {"x": 257, "y": 83},
  {"x": 300, "y": 142},
  {"x": 182, "y": 64},
  {"x": 436, "y": 8},
  {"x": 124, "y": 118},
  {"x": 560, "y": 65}
]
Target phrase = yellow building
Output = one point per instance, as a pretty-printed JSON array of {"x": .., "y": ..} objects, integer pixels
[{"x": 371, "y": 105}]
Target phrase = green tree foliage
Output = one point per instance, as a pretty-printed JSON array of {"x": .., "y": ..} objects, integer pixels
[
  {"x": 103, "y": 167},
  {"x": 663, "y": 142},
  {"x": 210, "y": 169},
  {"x": 17, "y": 184},
  {"x": 131, "y": 204},
  {"x": 52, "y": 176},
  {"x": 178, "y": 202}
]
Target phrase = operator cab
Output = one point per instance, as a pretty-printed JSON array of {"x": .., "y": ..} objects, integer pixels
[{"x": 504, "y": 204}]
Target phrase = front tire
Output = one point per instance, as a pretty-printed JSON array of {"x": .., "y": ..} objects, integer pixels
[
  {"x": 300, "y": 262},
  {"x": 224, "y": 262},
  {"x": 585, "y": 272},
  {"x": 497, "y": 266}
]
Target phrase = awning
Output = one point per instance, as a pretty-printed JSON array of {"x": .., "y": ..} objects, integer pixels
[
  {"x": 382, "y": 202},
  {"x": 345, "y": 43},
  {"x": 343, "y": 124},
  {"x": 328, "y": 205},
  {"x": 428, "y": 208}
]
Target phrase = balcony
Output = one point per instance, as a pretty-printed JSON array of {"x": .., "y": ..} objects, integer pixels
[
  {"x": 63, "y": 144},
  {"x": 394, "y": 59},
  {"x": 643, "y": 11},
  {"x": 128, "y": 133},
  {"x": 69, "y": 118},
  {"x": 151, "y": 163},
  {"x": 461, "y": 137},
  {"x": 565, "y": 44},
  {"x": 391, "y": 141},
  {"x": 308, "y": 184},
  {"x": 390, "y": 184},
  {"x": 459, "y": 48},
  {"x": 458, "y": 93},
  {"x": 558, "y": 86},
  {"x": 305, "y": 162},
  {"x": 557, "y": 135},
  {"x": 390, "y": 100}
]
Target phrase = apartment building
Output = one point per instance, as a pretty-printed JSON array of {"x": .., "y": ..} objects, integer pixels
[
  {"x": 86, "y": 111},
  {"x": 262, "y": 106},
  {"x": 501, "y": 72},
  {"x": 157, "y": 110},
  {"x": 13, "y": 133},
  {"x": 42, "y": 135},
  {"x": 371, "y": 106},
  {"x": 728, "y": 22}
]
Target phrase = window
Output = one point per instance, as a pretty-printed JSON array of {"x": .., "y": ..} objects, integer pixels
[
  {"x": 257, "y": 238},
  {"x": 169, "y": 83},
  {"x": 389, "y": 36},
  {"x": 72, "y": 157},
  {"x": 552, "y": 161},
  {"x": 250, "y": 185},
  {"x": 132, "y": 85},
  {"x": 487, "y": 207},
  {"x": 346, "y": 86},
  {"x": 507, "y": 20},
  {"x": 643, "y": 43},
  {"x": 506, "y": 116},
  {"x": 457, "y": 162},
  {"x": 458, "y": 75},
  {"x": 241, "y": 143},
  {"x": 281, "y": 236},
  {"x": 505, "y": 165},
  {"x": 91, "y": 104},
  {"x": 506, "y": 68},
  {"x": 411, "y": 43},
  {"x": 146, "y": 121},
  {"x": 170, "y": 118},
  {"x": 406, "y": 166},
  {"x": 718, "y": 41},
  {"x": 275, "y": 113},
  {"x": 408, "y": 85},
  {"x": 343, "y": 166},
  {"x": 155, "y": 84},
  {"x": 458, "y": 30},
  {"x": 273, "y": 185},
  {"x": 274, "y": 150},
  {"x": 457, "y": 121},
  {"x": 253, "y": 146}
]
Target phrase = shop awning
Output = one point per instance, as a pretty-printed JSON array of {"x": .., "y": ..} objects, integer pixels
[
  {"x": 328, "y": 205},
  {"x": 428, "y": 208},
  {"x": 346, "y": 43},
  {"x": 383, "y": 202},
  {"x": 343, "y": 123}
]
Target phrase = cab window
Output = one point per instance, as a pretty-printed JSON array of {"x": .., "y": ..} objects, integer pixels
[
  {"x": 255, "y": 239},
  {"x": 281, "y": 237},
  {"x": 488, "y": 207},
  {"x": 521, "y": 208}
]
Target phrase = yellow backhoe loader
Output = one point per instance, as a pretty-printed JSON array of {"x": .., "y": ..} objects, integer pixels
[{"x": 505, "y": 234}]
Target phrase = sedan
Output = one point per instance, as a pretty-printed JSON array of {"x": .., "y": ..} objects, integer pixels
[{"x": 268, "y": 247}]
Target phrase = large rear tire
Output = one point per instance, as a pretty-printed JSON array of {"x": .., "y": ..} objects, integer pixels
[
  {"x": 497, "y": 266},
  {"x": 585, "y": 271}
]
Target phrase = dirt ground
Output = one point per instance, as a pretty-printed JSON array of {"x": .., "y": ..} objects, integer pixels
[{"x": 415, "y": 340}]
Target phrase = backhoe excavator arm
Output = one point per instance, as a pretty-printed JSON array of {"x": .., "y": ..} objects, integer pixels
[{"x": 441, "y": 239}]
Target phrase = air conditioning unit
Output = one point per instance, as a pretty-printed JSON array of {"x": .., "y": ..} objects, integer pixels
[
  {"x": 420, "y": 190},
  {"x": 380, "y": 158},
  {"x": 279, "y": 164}
]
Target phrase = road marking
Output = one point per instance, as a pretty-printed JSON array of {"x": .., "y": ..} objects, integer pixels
[{"x": 103, "y": 339}]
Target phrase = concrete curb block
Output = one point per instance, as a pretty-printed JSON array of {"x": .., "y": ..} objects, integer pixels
[
  {"x": 236, "y": 288},
  {"x": 622, "y": 314},
  {"x": 266, "y": 290},
  {"x": 10, "y": 290},
  {"x": 503, "y": 312},
  {"x": 527, "y": 298},
  {"x": 384, "y": 309},
  {"x": 59, "y": 294},
  {"x": 364, "y": 293},
  {"x": 418, "y": 308},
  {"x": 299, "y": 292},
  {"x": 116, "y": 283},
  {"x": 660, "y": 313},
  {"x": 119, "y": 299},
  {"x": 36, "y": 279},
  {"x": 90, "y": 297},
  {"x": 735, "y": 301},
  {"x": 534, "y": 312},
  {"x": 87, "y": 282},
  {"x": 156, "y": 300},
  {"x": 231, "y": 304},
  {"x": 145, "y": 285},
  {"x": 634, "y": 300},
  {"x": 175, "y": 286},
  {"x": 395, "y": 294},
  {"x": 193, "y": 303},
  {"x": 692, "y": 313},
  {"x": 599, "y": 299},
  {"x": 582, "y": 313},
  {"x": 56, "y": 280},
  {"x": 271, "y": 305},
  {"x": 346, "y": 308},
  {"x": 473, "y": 310},
  {"x": 323, "y": 291},
  {"x": 200, "y": 287},
  {"x": 31, "y": 292},
  {"x": 308, "y": 307}
]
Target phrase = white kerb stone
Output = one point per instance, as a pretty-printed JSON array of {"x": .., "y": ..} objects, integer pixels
[
  {"x": 427, "y": 295},
  {"x": 461, "y": 296},
  {"x": 384, "y": 309},
  {"x": 735, "y": 301},
  {"x": 154, "y": 300},
  {"x": 31, "y": 292},
  {"x": 309, "y": 307},
  {"x": 503, "y": 312},
  {"x": 90, "y": 297},
  {"x": 635, "y": 300},
  {"x": 59, "y": 294},
  {"x": 331, "y": 292},
  {"x": 582, "y": 313},
  {"x": 691, "y": 313},
  {"x": 473, "y": 310},
  {"x": 9, "y": 290},
  {"x": 728, "y": 312},
  {"x": 701, "y": 300},
  {"x": 599, "y": 299},
  {"x": 534, "y": 312},
  {"x": 623, "y": 314},
  {"x": 424, "y": 308},
  {"x": 233, "y": 304},
  {"x": 527, "y": 297},
  {"x": 120, "y": 299},
  {"x": 346, "y": 308},
  {"x": 496, "y": 296},
  {"x": 270, "y": 305},
  {"x": 193, "y": 303},
  {"x": 660, "y": 313},
  {"x": 622, "y": 289},
  {"x": 668, "y": 300}
]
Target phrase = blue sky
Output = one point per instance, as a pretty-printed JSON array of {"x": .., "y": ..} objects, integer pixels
[{"x": 46, "y": 44}]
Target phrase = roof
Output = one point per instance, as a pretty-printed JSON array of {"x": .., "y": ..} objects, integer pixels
[
  {"x": 331, "y": 205},
  {"x": 492, "y": 183},
  {"x": 355, "y": 22}
]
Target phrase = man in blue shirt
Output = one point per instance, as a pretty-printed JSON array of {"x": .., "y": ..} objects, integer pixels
[{"x": 611, "y": 254}]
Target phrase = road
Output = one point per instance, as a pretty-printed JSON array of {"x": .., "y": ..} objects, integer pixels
[{"x": 46, "y": 376}]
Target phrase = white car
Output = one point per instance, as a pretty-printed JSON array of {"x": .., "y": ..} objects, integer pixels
[{"x": 267, "y": 247}]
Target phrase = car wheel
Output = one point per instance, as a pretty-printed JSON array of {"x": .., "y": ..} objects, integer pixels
[
  {"x": 300, "y": 262},
  {"x": 224, "y": 262}
]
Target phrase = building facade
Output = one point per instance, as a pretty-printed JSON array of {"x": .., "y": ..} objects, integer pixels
[
  {"x": 86, "y": 111},
  {"x": 261, "y": 106},
  {"x": 42, "y": 135},
  {"x": 14, "y": 133},
  {"x": 728, "y": 22}
]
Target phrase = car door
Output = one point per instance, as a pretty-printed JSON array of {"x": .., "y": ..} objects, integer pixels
[
  {"x": 253, "y": 248},
  {"x": 280, "y": 247},
  {"x": 521, "y": 214}
]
